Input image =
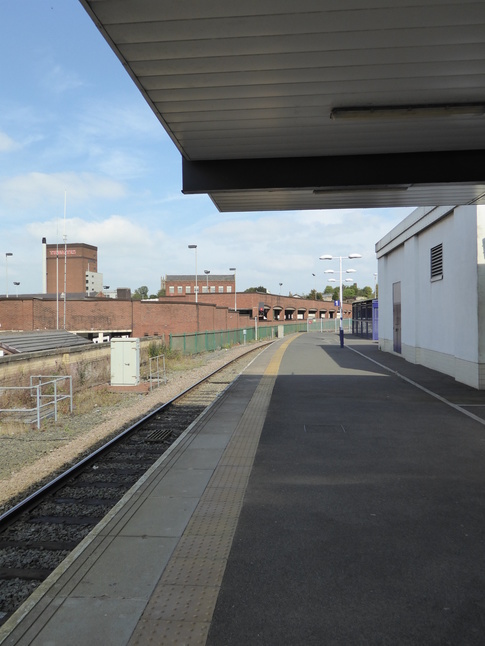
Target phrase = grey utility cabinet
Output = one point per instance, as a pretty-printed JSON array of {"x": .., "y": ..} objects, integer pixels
[{"x": 125, "y": 362}]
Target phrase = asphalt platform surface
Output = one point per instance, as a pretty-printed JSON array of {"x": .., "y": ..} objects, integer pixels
[
  {"x": 331, "y": 497},
  {"x": 363, "y": 521}
]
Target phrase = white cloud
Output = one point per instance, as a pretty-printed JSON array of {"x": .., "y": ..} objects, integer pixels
[
  {"x": 77, "y": 124},
  {"x": 269, "y": 248},
  {"x": 38, "y": 189},
  {"x": 7, "y": 144},
  {"x": 129, "y": 252},
  {"x": 266, "y": 249}
]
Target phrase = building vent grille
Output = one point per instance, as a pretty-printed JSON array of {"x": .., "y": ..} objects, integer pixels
[{"x": 437, "y": 262}]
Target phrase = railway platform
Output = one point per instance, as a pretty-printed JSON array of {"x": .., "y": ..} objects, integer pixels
[{"x": 331, "y": 496}]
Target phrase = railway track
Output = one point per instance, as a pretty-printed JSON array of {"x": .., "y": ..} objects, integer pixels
[{"x": 37, "y": 534}]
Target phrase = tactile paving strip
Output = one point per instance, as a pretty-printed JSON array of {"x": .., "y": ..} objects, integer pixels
[{"x": 181, "y": 607}]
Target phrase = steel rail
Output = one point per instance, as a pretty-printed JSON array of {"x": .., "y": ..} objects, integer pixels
[{"x": 34, "y": 498}]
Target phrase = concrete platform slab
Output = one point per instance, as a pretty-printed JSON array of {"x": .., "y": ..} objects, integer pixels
[
  {"x": 129, "y": 569},
  {"x": 346, "y": 508},
  {"x": 160, "y": 516}
]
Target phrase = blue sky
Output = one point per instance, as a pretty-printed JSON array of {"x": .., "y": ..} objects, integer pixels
[{"x": 81, "y": 153}]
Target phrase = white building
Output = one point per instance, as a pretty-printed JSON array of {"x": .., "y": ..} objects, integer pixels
[
  {"x": 432, "y": 291},
  {"x": 94, "y": 282}
]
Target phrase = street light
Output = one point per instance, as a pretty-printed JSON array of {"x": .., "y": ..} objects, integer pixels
[
  {"x": 207, "y": 272},
  {"x": 235, "y": 290},
  {"x": 17, "y": 286},
  {"x": 6, "y": 271},
  {"x": 352, "y": 256},
  {"x": 194, "y": 246},
  {"x": 280, "y": 284}
]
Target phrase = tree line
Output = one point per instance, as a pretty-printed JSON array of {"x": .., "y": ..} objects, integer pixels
[{"x": 349, "y": 292}]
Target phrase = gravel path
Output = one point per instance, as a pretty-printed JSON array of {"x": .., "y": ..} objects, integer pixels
[{"x": 30, "y": 457}]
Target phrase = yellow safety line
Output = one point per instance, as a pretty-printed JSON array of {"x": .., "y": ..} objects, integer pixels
[
  {"x": 191, "y": 581},
  {"x": 274, "y": 364}
]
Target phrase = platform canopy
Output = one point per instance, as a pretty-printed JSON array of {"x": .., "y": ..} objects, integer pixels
[{"x": 310, "y": 104}]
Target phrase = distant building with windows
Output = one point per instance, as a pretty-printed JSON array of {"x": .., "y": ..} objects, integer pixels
[
  {"x": 73, "y": 265},
  {"x": 185, "y": 285}
]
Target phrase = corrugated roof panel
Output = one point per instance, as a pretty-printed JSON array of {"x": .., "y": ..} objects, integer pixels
[{"x": 38, "y": 341}]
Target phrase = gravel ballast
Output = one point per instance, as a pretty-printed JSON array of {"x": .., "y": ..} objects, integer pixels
[{"x": 30, "y": 457}]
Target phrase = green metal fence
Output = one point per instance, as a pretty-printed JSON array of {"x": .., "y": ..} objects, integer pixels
[
  {"x": 213, "y": 340},
  {"x": 208, "y": 341},
  {"x": 329, "y": 325}
]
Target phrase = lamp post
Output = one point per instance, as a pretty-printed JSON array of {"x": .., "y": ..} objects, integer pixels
[
  {"x": 280, "y": 284},
  {"x": 207, "y": 272},
  {"x": 235, "y": 290},
  {"x": 6, "y": 271},
  {"x": 16, "y": 283},
  {"x": 352, "y": 256},
  {"x": 194, "y": 246}
]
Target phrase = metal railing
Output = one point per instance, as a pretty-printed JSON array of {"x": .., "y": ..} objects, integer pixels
[
  {"x": 193, "y": 343},
  {"x": 47, "y": 393},
  {"x": 157, "y": 372},
  {"x": 328, "y": 325}
]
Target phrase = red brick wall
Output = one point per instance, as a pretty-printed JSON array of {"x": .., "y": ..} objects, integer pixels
[
  {"x": 15, "y": 314},
  {"x": 148, "y": 318},
  {"x": 174, "y": 317}
]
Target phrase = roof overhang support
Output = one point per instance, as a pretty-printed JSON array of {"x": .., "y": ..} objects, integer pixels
[{"x": 397, "y": 171}]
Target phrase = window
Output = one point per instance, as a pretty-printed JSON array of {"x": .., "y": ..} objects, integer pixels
[
  {"x": 187, "y": 289},
  {"x": 205, "y": 289},
  {"x": 221, "y": 289},
  {"x": 171, "y": 289},
  {"x": 213, "y": 289},
  {"x": 436, "y": 262},
  {"x": 229, "y": 289},
  {"x": 179, "y": 289}
]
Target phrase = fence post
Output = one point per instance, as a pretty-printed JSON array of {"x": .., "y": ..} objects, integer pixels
[
  {"x": 38, "y": 404},
  {"x": 55, "y": 400}
]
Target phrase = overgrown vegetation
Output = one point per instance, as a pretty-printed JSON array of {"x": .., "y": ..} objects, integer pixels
[
  {"x": 349, "y": 292},
  {"x": 175, "y": 360},
  {"x": 90, "y": 385}
]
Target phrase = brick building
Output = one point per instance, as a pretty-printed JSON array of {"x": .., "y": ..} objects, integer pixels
[
  {"x": 103, "y": 318},
  {"x": 77, "y": 263},
  {"x": 185, "y": 285},
  {"x": 274, "y": 307}
]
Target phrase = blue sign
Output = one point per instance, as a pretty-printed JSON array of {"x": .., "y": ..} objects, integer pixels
[{"x": 336, "y": 303}]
